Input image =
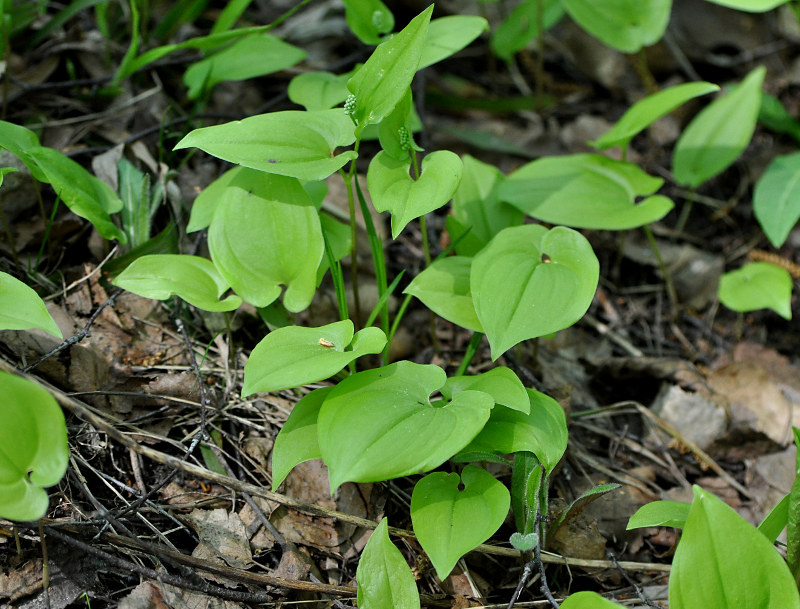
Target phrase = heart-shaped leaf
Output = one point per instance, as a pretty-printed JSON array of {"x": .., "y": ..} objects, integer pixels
[
  {"x": 21, "y": 308},
  {"x": 265, "y": 234},
  {"x": 84, "y": 194},
  {"x": 33, "y": 447},
  {"x": 758, "y": 285},
  {"x": 383, "y": 80},
  {"x": 719, "y": 134},
  {"x": 585, "y": 191},
  {"x": 296, "y": 442},
  {"x": 291, "y": 143},
  {"x": 392, "y": 188},
  {"x": 626, "y": 25},
  {"x": 383, "y": 575},
  {"x": 476, "y": 203},
  {"x": 588, "y": 600},
  {"x": 524, "y": 543},
  {"x": 444, "y": 288},
  {"x": 449, "y": 522},
  {"x": 542, "y": 432},
  {"x": 293, "y": 356},
  {"x": 192, "y": 278},
  {"x": 390, "y": 428},
  {"x": 716, "y": 548},
  {"x": 529, "y": 282},
  {"x": 660, "y": 514},
  {"x": 448, "y": 35},
  {"x": 776, "y": 198},
  {"x": 501, "y": 383},
  {"x": 647, "y": 111}
]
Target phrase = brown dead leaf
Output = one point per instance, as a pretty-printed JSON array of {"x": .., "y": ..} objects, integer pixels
[
  {"x": 223, "y": 534},
  {"x": 156, "y": 595}
]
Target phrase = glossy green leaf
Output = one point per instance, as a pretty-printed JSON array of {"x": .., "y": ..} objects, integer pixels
[
  {"x": 294, "y": 356},
  {"x": 84, "y": 194},
  {"x": 588, "y": 600},
  {"x": 586, "y": 191},
  {"x": 719, "y": 134},
  {"x": 648, "y": 110},
  {"x": 530, "y": 282},
  {"x": 22, "y": 309},
  {"x": 291, "y": 143},
  {"x": 33, "y": 448},
  {"x": 249, "y": 57},
  {"x": 501, "y": 383},
  {"x": 527, "y": 481},
  {"x": 382, "y": 81},
  {"x": 448, "y": 35},
  {"x": 137, "y": 204},
  {"x": 318, "y": 90},
  {"x": 660, "y": 514},
  {"x": 444, "y": 288},
  {"x": 192, "y": 278},
  {"x": 476, "y": 203},
  {"x": 717, "y": 549},
  {"x": 776, "y": 520},
  {"x": 793, "y": 517},
  {"x": 390, "y": 428},
  {"x": 757, "y": 285},
  {"x": 368, "y": 19},
  {"x": 751, "y": 6},
  {"x": 774, "y": 116},
  {"x": 266, "y": 234},
  {"x": 18, "y": 140},
  {"x": 394, "y": 190},
  {"x": 296, "y": 442},
  {"x": 208, "y": 201},
  {"x": 776, "y": 198},
  {"x": 395, "y": 131},
  {"x": 542, "y": 432},
  {"x": 450, "y": 521},
  {"x": 384, "y": 578},
  {"x": 626, "y": 25},
  {"x": 521, "y": 26}
]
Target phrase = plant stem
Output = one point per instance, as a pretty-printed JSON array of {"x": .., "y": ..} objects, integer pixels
[
  {"x": 673, "y": 297},
  {"x": 351, "y": 206},
  {"x": 686, "y": 210},
  {"x": 469, "y": 354},
  {"x": 540, "y": 56}
]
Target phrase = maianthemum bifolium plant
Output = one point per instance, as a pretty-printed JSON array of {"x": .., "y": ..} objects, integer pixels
[{"x": 509, "y": 280}]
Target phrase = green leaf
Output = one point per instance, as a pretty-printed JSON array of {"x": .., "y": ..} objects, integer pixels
[
  {"x": 265, "y": 234},
  {"x": 382, "y": 81},
  {"x": 449, "y": 522},
  {"x": 586, "y": 191},
  {"x": 521, "y": 27},
  {"x": 660, "y": 514},
  {"x": 398, "y": 126},
  {"x": 318, "y": 90},
  {"x": 626, "y": 25},
  {"x": 368, "y": 19},
  {"x": 291, "y": 143},
  {"x": 33, "y": 448},
  {"x": 524, "y": 543},
  {"x": 390, "y": 428},
  {"x": 579, "y": 504},
  {"x": 448, "y": 35},
  {"x": 249, "y": 57},
  {"x": 719, "y": 134},
  {"x": 294, "y": 356},
  {"x": 648, "y": 110},
  {"x": 338, "y": 237},
  {"x": 501, "y": 383},
  {"x": 751, "y": 6},
  {"x": 476, "y": 203},
  {"x": 774, "y": 116},
  {"x": 392, "y": 188},
  {"x": 588, "y": 600},
  {"x": 757, "y": 285},
  {"x": 192, "y": 278},
  {"x": 18, "y": 141},
  {"x": 542, "y": 432},
  {"x": 384, "y": 578},
  {"x": 22, "y": 309},
  {"x": 776, "y": 198},
  {"x": 296, "y": 442},
  {"x": 717, "y": 549},
  {"x": 776, "y": 520},
  {"x": 134, "y": 192},
  {"x": 443, "y": 287},
  {"x": 84, "y": 194},
  {"x": 793, "y": 517},
  {"x": 530, "y": 282},
  {"x": 527, "y": 480}
]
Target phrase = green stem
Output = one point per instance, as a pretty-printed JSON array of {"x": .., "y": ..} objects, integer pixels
[
  {"x": 472, "y": 349},
  {"x": 686, "y": 210},
  {"x": 351, "y": 206},
  {"x": 673, "y": 297},
  {"x": 378, "y": 259}
]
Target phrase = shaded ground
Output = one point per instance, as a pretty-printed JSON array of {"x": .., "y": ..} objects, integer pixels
[{"x": 659, "y": 399}]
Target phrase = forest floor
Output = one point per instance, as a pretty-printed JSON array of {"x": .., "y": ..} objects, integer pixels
[{"x": 658, "y": 398}]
